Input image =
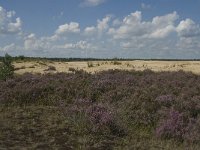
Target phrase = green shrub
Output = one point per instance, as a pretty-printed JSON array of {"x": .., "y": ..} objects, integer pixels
[{"x": 6, "y": 68}]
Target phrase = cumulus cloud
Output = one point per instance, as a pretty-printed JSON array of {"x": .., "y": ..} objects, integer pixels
[
  {"x": 188, "y": 28},
  {"x": 72, "y": 27},
  {"x": 151, "y": 37},
  {"x": 91, "y": 3},
  {"x": 31, "y": 42},
  {"x": 14, "y": 27},
  {"x": 131, "y": 36},
  {"x": 132, "y": 26},
  {"x": 78, "y": 45},
  {"x": 90, "y": 30},
  {"x": 116, "y": 22},
  {"x": 189, "y": 36},
  {"x": 191, "y": 43},
  {"x": 103, "y": 24},
  {"x": 165, "y": 20},
  {"x": 101, "y": 27},
  {"x": 8, "y": 23}
]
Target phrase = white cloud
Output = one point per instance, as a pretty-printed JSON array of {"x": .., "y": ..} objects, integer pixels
[
  {"x": 72, "y": 27},
  {"x": 163, "y": 21},
  {"x": 188, "y": 28},
  {"x": 145, "y": 6},
  {"x": 78, "y": 45},
  {"x": 162, "y": 32},
  {"x": 15, "y": 27},
  {"x": 116, "y": 22},
  {"x": 31, "y": 42},
  {"x": 189, "y": 36},
  {"x": 100, "y": 29},
  {"x": 132, "y": 26},
  {"x": 189, "y": 43},
  {"x": 148, "y": 38},
  {"x": 133, "y": 18},
  {"x": 10, "y": 14},
  {"x": 130, "y": 36},
  {"x": 91, "y": 3},
  {"x": 7, "y": 26},
  {"x": 102, "y": 25},
  {"x": 90, "y": 30}
]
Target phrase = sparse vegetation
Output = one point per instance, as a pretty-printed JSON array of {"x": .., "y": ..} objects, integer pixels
[
  {"x": 22, "y": 67},
  {"x": 90, "y": 64},
  {"x": 116, "y": 63},
  {"x": 42, "y": 63},
  {"x": 128, "y": 65},
  {"x": 72, "y": 69},
  {"x": 50, "y": 68},
  {"x": 33, "y": 66},
  {"x": 106, "y": 110}
]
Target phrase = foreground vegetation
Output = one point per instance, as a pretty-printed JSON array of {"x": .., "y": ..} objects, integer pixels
[{"x": 106, "y": 110}]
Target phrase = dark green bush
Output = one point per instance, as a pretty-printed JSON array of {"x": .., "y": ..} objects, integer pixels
[{"x": 6, "y": 68}]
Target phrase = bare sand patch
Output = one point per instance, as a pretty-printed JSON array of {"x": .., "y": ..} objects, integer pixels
[{"x": 97, "y": 66}]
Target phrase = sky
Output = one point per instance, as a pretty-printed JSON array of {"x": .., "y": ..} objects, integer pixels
[{"x": 146, "y": 29}]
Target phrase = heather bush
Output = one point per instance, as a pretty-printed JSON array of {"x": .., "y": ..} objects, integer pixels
[
  {"x": 179, "y": 126},
  {"x": 190, "y": 104},
  {"x": 173, "y": 126},
  {"x": 192, "y": 131},
  {"x": 113, "y": 109},
  {"x": 99, "y": 115},
  {"x": 165, "y": 100}
]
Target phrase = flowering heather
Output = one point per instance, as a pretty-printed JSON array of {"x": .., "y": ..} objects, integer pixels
[
  {"x": 192, "y": 130},
  {"x": 165, "y": 100},
  {"x": 79, "y": 105},
  {"x": 173, "y": 126},
  {"x": 112, "y": 109},
  {"x": 99, "y": 115}
]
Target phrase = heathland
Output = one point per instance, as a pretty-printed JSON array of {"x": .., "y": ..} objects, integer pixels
[{"x": 101, "y": 105}]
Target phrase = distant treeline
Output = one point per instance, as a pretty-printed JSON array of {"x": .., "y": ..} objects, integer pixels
[{"x": 90, "y": 59}]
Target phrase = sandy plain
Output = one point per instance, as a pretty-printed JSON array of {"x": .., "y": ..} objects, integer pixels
[{"x": 97, "y": 66}]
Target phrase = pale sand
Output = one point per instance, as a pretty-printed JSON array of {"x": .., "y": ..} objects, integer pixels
[{"x": 40, "y": 66}]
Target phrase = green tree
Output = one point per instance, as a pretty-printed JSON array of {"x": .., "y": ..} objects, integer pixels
[{"x": 6, "y": 68}]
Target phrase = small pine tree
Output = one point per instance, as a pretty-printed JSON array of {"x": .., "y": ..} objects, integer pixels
[{"x": 6, "y": 68}]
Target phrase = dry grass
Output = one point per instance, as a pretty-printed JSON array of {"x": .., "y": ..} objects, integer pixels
[{"x": 97, "y": 66}]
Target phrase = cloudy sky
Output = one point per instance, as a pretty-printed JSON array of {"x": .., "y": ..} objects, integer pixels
[{"x": 101, "y": 28}]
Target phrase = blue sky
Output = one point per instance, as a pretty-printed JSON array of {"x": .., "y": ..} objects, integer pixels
[{"x": 100, "y": 28}]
